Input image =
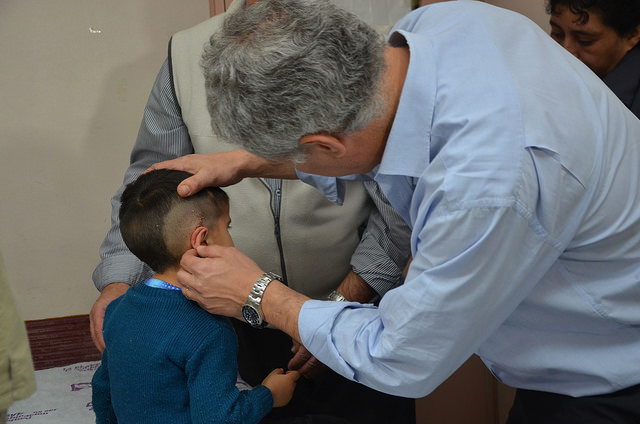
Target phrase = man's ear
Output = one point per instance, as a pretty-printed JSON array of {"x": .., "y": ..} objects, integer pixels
[
  {"x": 633, "y": 38},
  {"x": 199, "y": 237},
  {"x": 323, "y": 143}
]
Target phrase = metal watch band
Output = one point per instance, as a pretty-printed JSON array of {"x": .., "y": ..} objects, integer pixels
[
  {"x": 336, "y": 297},
  {"x": 251, "y": 309}
]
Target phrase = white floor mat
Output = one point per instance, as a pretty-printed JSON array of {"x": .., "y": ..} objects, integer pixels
[{"x": 63, "y": 397}]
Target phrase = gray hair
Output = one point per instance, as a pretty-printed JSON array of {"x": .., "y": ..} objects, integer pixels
[{"x": 282, "y": 69}]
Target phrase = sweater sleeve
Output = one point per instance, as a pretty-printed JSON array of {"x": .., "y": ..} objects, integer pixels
[
  {"x": 101, "y": 394},
  {"x": 211, "y": 372}
]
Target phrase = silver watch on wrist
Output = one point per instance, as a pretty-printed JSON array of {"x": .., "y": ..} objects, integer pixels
[
  {"x": 336, "y": 297},
  {"x": 251, "y": 308}
]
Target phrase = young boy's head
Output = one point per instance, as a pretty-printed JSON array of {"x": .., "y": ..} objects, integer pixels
[{"x": 158, "y": 225}]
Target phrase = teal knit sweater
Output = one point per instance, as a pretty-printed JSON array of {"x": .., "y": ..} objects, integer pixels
[{"x": 169, "y": 361}]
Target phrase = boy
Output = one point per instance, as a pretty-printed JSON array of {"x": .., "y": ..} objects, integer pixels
[{"x": 166, "y": 360}]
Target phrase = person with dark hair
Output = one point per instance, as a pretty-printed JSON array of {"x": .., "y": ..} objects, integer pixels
[
  {"x": 167, "y": 360},
  {"x": 605, "y": 35},
  {"x": 513, "y": 164}
]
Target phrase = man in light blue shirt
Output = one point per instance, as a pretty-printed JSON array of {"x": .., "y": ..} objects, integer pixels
[{"x": 516, "y": 168}]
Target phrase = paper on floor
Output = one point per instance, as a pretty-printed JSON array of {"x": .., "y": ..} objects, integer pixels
[{"x": 63, "y": 396}]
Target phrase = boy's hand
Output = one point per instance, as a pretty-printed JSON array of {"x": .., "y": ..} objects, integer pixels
[{"x": 281, "y": 385}]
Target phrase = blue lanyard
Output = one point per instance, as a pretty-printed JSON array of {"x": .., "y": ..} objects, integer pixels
[{"x": 159, "y": 284}]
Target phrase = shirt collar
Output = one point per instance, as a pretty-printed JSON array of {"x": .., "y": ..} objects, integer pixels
[{"x": 407, "y": 151}]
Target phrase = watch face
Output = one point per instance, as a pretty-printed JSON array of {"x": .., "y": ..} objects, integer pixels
[{"x": 251, "y": 315}]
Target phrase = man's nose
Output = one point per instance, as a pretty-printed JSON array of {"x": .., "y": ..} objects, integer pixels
[{"x": 570, "y": 45}]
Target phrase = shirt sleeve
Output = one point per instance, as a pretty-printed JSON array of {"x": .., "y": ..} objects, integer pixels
[
  {"x": 162, "y": 136},
  {"x": 384, "y": 249},
  {"x": 470, "y": 270}
]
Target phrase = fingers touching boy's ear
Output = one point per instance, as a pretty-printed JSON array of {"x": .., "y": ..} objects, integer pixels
[{"x": 199, "y": 237}]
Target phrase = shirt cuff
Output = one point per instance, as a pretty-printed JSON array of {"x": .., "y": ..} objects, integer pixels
[{"x": 315, "y": 326}]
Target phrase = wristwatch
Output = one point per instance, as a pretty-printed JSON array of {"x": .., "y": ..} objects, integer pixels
[
  {"x": 336, "y": 297},
  {"x": 251, "y": 308}
]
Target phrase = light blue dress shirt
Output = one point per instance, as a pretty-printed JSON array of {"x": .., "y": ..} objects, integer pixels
[{"x": 518, "y": 172}]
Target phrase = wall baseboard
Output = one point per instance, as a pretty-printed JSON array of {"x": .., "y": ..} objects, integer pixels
[{"x": 57, "y": 342}]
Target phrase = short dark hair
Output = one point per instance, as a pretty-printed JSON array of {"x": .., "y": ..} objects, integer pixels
[
  {"x": 145, "y": 205},
  {"x": 621, "y": 15}
]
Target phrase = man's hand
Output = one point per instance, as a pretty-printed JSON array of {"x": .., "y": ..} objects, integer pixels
[
  {"x": 96, "y": 317},
  {"x": 353, "y": 288},
  {"x": 281, "y": 385},
  {"x": 209, "y": 170},
  {"x": 224, "y": 169},
  {"x": 304, "y": 362},
  {"x": 220, "y": 278}
]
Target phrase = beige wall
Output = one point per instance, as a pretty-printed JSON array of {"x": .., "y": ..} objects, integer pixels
[
  {"x": 534, "y": 9},
  {"x": 75, "y": 78}
]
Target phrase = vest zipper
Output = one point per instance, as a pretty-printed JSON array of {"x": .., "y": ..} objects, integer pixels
[{"x": 275, "y": 190}]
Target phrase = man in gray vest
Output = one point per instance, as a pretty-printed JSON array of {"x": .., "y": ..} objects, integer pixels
[{"x": 284, "y": 225}]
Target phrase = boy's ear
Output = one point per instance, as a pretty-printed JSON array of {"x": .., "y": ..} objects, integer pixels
[
  {"x": 199, "y": 237},
  {"x": 324, "y": 143}
]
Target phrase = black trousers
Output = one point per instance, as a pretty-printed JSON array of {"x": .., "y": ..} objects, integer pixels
[
  {"x": 326, "y": 398},
  {"x": 532, "y": 407}
]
